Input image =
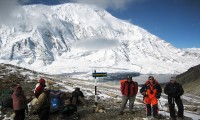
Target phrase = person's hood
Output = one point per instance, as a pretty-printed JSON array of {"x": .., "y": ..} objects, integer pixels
[{"x": 16, "y": 91}]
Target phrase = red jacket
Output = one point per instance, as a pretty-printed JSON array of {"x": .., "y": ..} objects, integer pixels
[
  {"x": 129, "y": 88},
  {"x": 19, "y": 99},
  {"x": 38, "y": 90},
  {"x": 39, "y": 87}
]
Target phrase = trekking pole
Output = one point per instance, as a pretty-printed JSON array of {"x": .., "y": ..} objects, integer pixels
[
  {"x": 173, "y": 99},
  {"x": 95, "y": 93},
  {"x": 145, "y": 105}
]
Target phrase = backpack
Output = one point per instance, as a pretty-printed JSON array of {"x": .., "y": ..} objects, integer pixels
[
  {"x": 122, "y": 81},
  {"x": 55, "y": 102},
  {"x": 6, "y": 101}
]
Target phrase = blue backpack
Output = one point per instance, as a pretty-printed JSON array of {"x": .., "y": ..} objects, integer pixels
[{"x": 55, "y": 103}]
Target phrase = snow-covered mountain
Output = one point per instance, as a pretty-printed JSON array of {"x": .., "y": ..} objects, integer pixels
[
  {"x": 193, "y": 51},
  {"x": 76, "y": 38}
]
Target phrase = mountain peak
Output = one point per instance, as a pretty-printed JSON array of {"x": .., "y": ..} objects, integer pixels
[{"x": 78, "y": 38}]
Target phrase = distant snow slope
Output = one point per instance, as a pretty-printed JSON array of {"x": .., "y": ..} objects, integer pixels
[
  {"x": 76, "y": 38},
  {"x": 193, "y": 51}
]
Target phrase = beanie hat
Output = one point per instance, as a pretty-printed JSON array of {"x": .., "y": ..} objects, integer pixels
[
  {"x": 77, "y": 88},
  {"x": 151, "y": 78},
  {"x": 172, "y": 78},
  {"x": 129, "y": 77},
  {"x": 41, "y": 81}
]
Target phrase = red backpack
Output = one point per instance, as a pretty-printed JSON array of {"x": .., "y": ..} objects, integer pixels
[{"x": 122, "y": 81}]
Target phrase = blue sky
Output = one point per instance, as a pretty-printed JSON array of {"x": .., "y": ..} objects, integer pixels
[{"x": 175, "y": 21}]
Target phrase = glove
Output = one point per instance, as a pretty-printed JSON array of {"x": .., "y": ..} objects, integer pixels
[
  {"x": 177, "y": 95},
  {"x": 144, "y": 94},
  {"x": 173, "y": 95},
  {"x": 158, "y": 95}
]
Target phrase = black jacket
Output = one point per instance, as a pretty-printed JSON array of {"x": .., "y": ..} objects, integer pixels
[
  {"x": 173, "y": 89},
  {"x": 77, "y": 93}
]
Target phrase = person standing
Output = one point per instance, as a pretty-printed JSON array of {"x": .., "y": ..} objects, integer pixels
[
  {"x": 19, "y": 103},
  {"x": 151, "y": 91},
  {"x": 129, "y": 89},
  {"x": 174, "y": 90}
]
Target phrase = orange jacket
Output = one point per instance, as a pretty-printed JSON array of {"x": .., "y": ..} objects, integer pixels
[{"x": 151, "y": 89}]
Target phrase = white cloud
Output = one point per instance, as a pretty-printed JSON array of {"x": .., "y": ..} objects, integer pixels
[
  {"x": 10, "y": 8},
  {"x": 12, "y": 13},
  {"x": 96, "y": 43},
  {"x": 112, "y": 4},
  {"x": 6, "y": 8}
]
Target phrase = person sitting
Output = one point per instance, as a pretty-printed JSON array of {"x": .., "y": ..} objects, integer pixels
[
  {"x": 43, "y": 105},
  {"x": 77, "y": 96},
  {"x": 69, "y": 110},
  {"x": 39, "y": 87}
]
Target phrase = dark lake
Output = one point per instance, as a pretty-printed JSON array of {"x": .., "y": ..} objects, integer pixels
[{"x": 114, "y": 78}]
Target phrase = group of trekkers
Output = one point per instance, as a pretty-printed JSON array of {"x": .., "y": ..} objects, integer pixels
[
  {"x": 47, "y": 101},
  {"x": 151, "y": 91}
]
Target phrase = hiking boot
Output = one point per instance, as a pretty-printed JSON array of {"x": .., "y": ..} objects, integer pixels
[
  {"x": 121, "y": 113},
  {"x": 172, "y": 118},
  {"x": 157, "y": 117},
  {"x": 148, "y": 117},
  {"x": 180, "y": 118}
]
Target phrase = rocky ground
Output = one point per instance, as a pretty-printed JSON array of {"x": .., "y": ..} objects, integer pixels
[
  {"x": 108, "y": 110},
  {"x": 108, "y": 103}
]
